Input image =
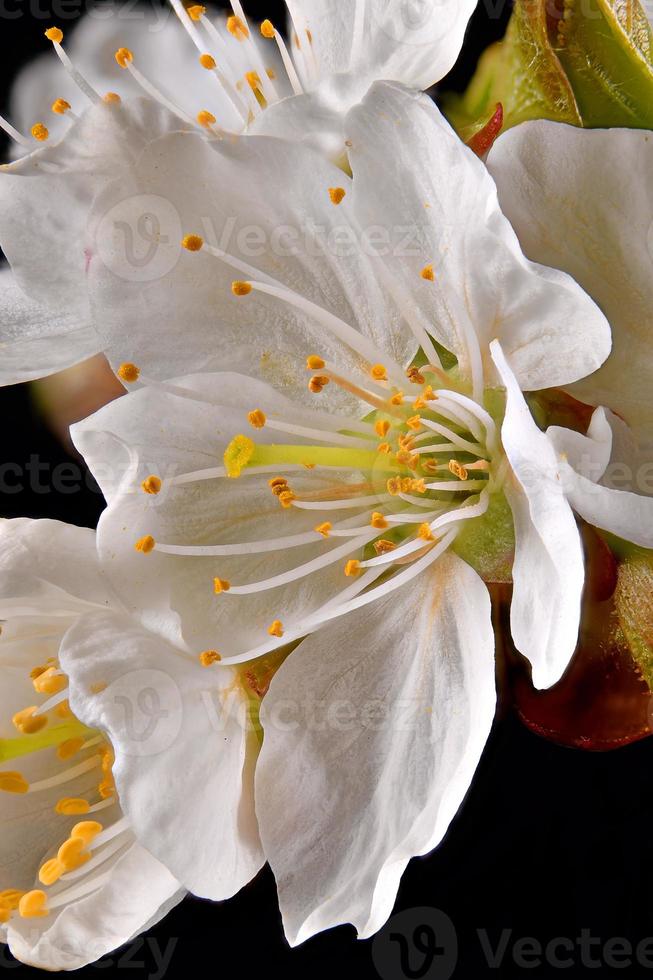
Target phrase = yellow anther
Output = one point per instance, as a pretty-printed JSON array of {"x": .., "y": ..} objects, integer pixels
[
  {"x": 384, "y": 447},
  {"x": 237, "y": 455},
  {"x": 405, "y": 457},
  {"x": 71, "y": 806},
  {"x": 425, "y": 532},
  {"x": 51, "y": 872},
  {"x": 63, "y": 710},
  {"x": 416, "y": 486},
  {"x": 393, "y": 486},
  {"x": 315, "y": 363},
  {"x": 10, "y": 898},
  {"x": 379, "y": 372},
  {"x": 236, "y": 27},
  {"x": 253, "y": 80},
  {"x": 205, "y": 118},
  {"x": 352, "y": 568},
  {"x": 40, "y": 132},
  {"x": 37, "y": 671},
  {"x": 397, "y": 399},
  {"x": 13, "y": 782},
  {"x": 378, "y": 520},
  {"x": 415, "y": 423},
  {"x": 383, "y": 546},
  {"x": 209, "y": 657},
  {"x": 196, "y": 11},
  {"x": 33, "y": 905},
  {"x": 50, "y": 682},
  {"x": 428, "y": 273},
  {"x": 152, "y": 485},
  {"x": 337, "y": 195},
  {"x": 60, "y": 107},
  {"x": 106, "y": 788},
  {"x": 28, "y": 723},
  {"x": 257, "y": 418},
  {"x": 276, "y": 628},
  {"x": 457, "y": 469},
  {"x": 317, "y": 383},
  {"x": 278, "y": 485},
  {"x": 145, "y": 544},
  {"x": 86, "y": 831},
  {"x": 324, "y": 529},
  {"x": 415, "y": 376},
  {"x": 5, "y": 914},
  {"x": 221, "y": 585},
  {"x": 267, "y": 29},
  {"x": 72, "y": 854},
  {"x": 128, "y": 372},
  {"x": 54, "y": 34},
  {"x": 271, "y": 73},
  {"x": 382, "y": 427},
  {"x": 69, "y": 748},
  {"x": 407, "y": 441},
  {"x": 192, "y": 243},
  {"x": 108, "y": 758},
  {"x": 286, "y": 498},
  {"x": 239, "y": 288},
  {"x": 111, "y": 98},
  {"x": 123, "y": 56},
  {"x": 207, "y": 61}
]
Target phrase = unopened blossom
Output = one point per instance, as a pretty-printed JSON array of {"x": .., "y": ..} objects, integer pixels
[
  {"x": 98, "y": 759},
  {"x": 344, "y": 537},
  {"x": 582, "y": 201}
]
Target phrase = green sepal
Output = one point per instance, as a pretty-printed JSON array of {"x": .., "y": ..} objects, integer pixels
[{"x": 488, "y": 543}]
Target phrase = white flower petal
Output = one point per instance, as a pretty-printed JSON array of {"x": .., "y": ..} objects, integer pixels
[
  {"x": 180, "y": 735},
  {"x": 588, "y": 454},
  {"x": 548, "y": 570},
  {"x": 373, "y": 728},
  {"x": 581, "y": 200},
  {"x": 34, "y": 341},
  {"x": 410, "y": 167}
]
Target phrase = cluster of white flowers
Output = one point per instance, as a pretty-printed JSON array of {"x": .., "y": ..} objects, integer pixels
[{"x": 278, "y": 647}]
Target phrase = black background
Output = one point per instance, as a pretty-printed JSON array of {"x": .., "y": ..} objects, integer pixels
[{"x": 550, "y": 842}]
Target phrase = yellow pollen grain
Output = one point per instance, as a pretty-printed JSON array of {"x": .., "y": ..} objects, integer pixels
[
  {"x": 237, "y": 455},
  {"x": 192, "y": 243},
  {"x": 253, "y": 80},
  {"x": 337, "y": 195},
  {"x": 384, "y": 447},
  {"x": 425, "y": 532},
  {"x": 393, "y": 486},
  {"x": 267, "y": 29},
  {"x": 236, "y": 28},
  {"x": 205, "y": 118},
  {"x": 271, "y": 73},
  {"x": 196, "y": 11},
  {"x": 415, "y": 376},
  {"x": 28, "y": 723},
  {"x": 383, "y": 546},
  {"x": 286, "y": 498},
  {"x": 60, "y": 107},
  {"x": 207, "y": 61},
  {"x": 63, "y": 710},
  {"x": 379, "y": 372},
  {"x": 352, "y": 568},
  {"x": 86, "y": 831},
  {"x": 457, "y": 469},
  {"x": 69, "y": 748},
  {"x": 378, "y": 520},
  {"x": 51, "y": 872},
  {"x": 72, "y": 853},
  {"x": 428, "y": 273},
  {"x": 33, "y": 905},
  {"x": 40, "y": 132},
  {"x": 276, "y": 628},
  {"x": 257, "y": 418},
  {"x": 221, "y": 585},
  {"x": 128, "y": 372},
  {"x": 209, "y": 657},
  {"x": 10, "y": 898},
  {"x": 111, "y": 98},
  {"x": 13, "y": 782},
  {"x": 382, "y": 427},
  {"x": 324, "y": 529},
  {"x": 278, "y": 485},
  {"x": 315, "y": 363},
  {"x": 50, "y": 682},
  {"x": 72, "y": 806},
  {"x": 417, "y": 486},
  {"x": 123, "y": 56},
  {"x": 54, "y": 34},
  {"x": 415, "y": 423},
  {"x": 397, "y": 399},
  {"x": 239, "y": 288},
  {"x": 317, "y": 383},
  {"x": 106, "y": 788},
  {"x": 145, "y": 544},
  {"x": 152, "y": 485},
  {"x": 404, "y": 457}
]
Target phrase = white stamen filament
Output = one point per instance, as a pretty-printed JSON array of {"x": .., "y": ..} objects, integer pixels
[
  {"x": 76, "y": 76},
  {"x": 157, "y": 94},
  {"x": 98, "y": 859},
  {"x": 13, "y": 133},
  {"x": 65, "y": 776},
  {"x": 456, "y": 486},
  {"x": 288, "y": 64},
  {"x": 269, "y": 88},
  {"x": 464, "y": 444},
  {"x": 357, "y": 34},
  {"x": 52, "y": 702},
  {"x": 378, "y": 498}
]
